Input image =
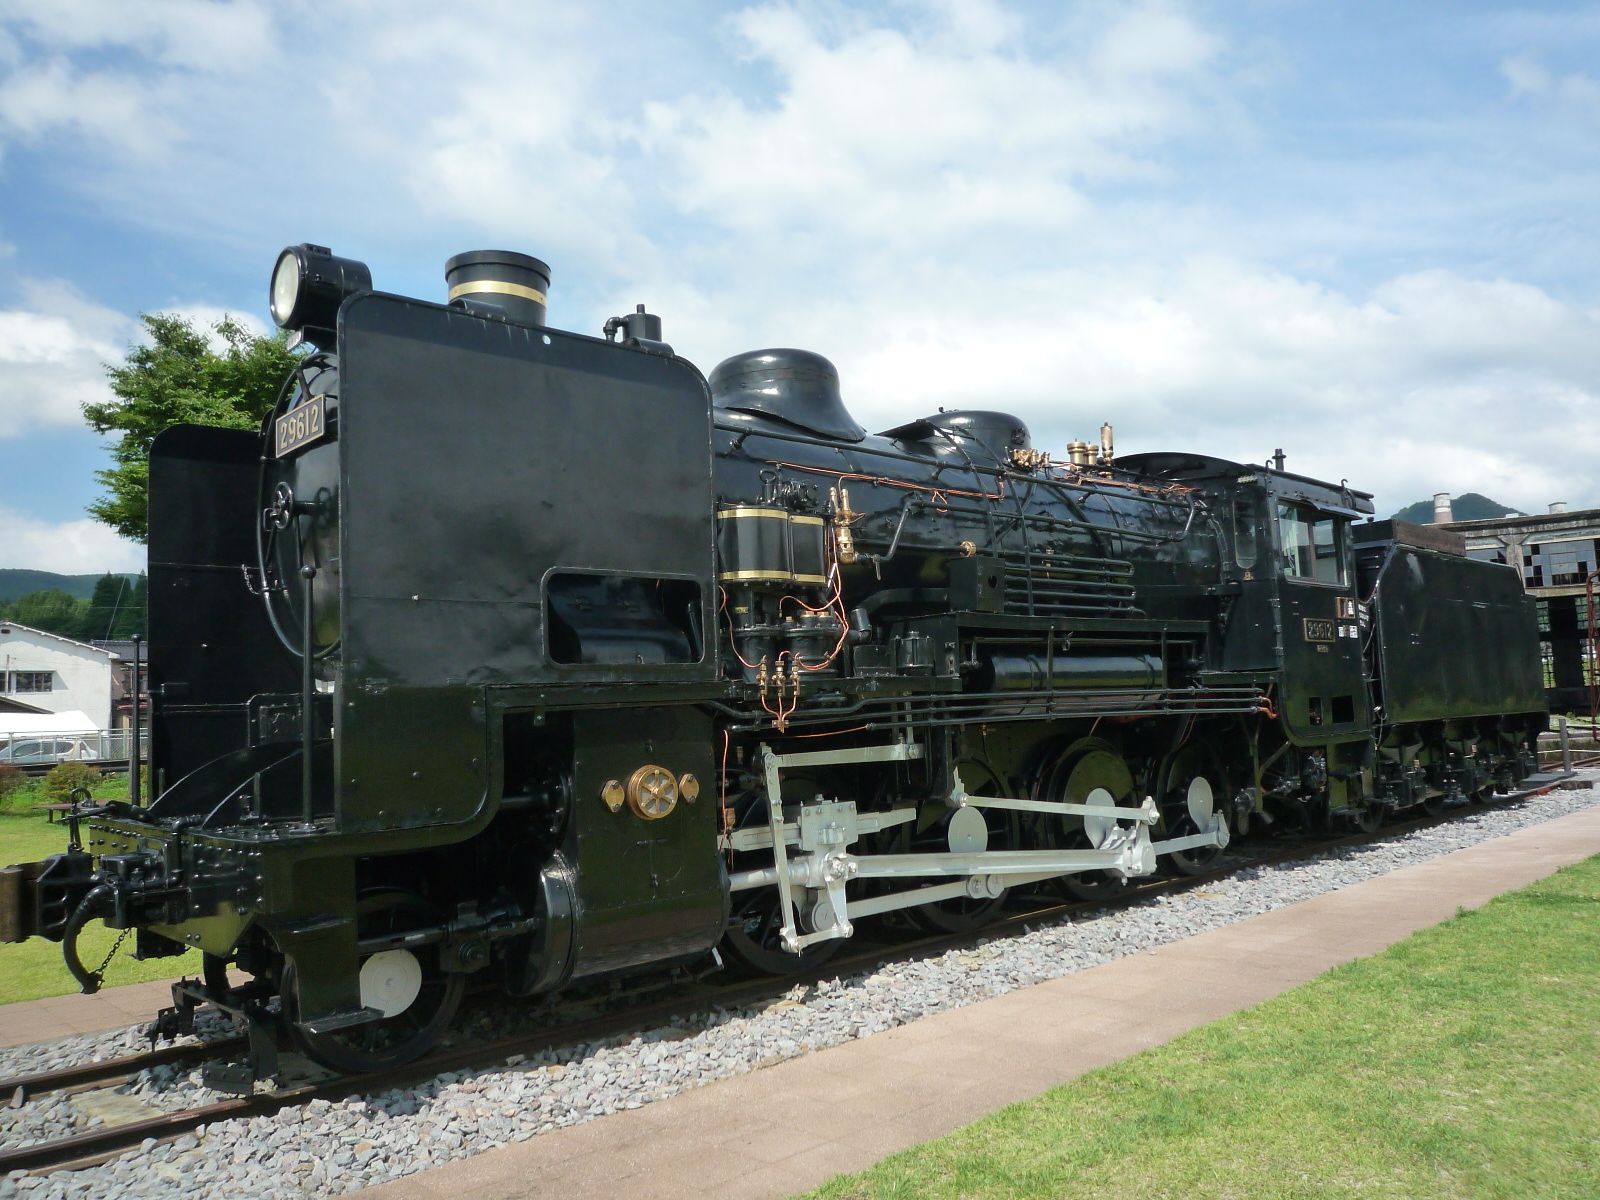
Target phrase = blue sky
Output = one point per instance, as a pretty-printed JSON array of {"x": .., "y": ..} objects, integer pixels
[{"x": 1367, "y": 233}]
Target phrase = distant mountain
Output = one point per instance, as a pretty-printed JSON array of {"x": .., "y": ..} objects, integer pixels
[
  {"x": 16, "y": 581},
  {"x": 1469, "y": 506}
]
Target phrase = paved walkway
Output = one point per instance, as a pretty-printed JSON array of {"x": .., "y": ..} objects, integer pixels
[
  {"x": 59, "y": 1016},
  {"x": 789, "y": 1127}
]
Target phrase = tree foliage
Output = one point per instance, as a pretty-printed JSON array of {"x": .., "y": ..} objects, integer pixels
[
  {"x": 61, "y": 779},
  {"x": 116, "y": 610},
  {"x": 52, "y": 611},
  {"x": 176, "y": 378}
]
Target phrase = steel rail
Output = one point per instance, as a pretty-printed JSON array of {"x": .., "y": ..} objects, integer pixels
[{"x": 21, "y": 1088}]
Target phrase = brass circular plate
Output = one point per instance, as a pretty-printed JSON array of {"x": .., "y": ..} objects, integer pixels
[
  {"x": 652, "y": 792},
  {"x": 614, "y": 794},
  {"x": 689, "y": 788}
]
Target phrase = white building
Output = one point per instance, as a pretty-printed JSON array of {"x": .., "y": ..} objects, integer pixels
[{"x": 45, "y": 673}]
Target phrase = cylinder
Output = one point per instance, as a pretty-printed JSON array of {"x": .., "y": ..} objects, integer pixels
[
  {"x": 1079, "y": 673},
  {"x": 499, "y": 283}
]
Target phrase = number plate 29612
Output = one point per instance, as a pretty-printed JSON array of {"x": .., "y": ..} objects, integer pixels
[
  {"x": 301, "y": 426},
  {"x": 1318, "y": 629}
]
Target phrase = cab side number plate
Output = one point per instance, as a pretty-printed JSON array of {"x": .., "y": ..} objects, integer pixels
[
  {"x": 301, "y": 426},
  {"x": 1318, "y": 629}
]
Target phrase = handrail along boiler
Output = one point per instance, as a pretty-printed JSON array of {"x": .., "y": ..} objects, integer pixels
[{"x": 509, "y": 652}]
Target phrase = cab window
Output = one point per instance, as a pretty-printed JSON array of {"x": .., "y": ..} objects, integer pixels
[
  {"x": 1311, "y": 544},
  {"x": 1244, "y": 533}
]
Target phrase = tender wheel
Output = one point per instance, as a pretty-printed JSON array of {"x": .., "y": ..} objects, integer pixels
[
  {"x": 1089, "y": 772},
  {"x": 1434, "y": 804},
  {"x": 418, "y": 999},
  {"x": 964, "y": 831}
]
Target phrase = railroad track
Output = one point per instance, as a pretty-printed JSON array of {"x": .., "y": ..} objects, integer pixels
[{"x": 97, "y": 1146}]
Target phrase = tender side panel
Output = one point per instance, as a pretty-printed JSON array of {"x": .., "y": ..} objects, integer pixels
[
  {"x": 486, "y": 466},
  {"x": 1458, "y": 638},
  {"x": 211, "y": 648}
]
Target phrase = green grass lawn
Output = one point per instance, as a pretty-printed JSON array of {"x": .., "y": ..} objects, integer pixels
[
  {"x": 1463, "y": 1062},
  {"x": 34, "y": 968}
]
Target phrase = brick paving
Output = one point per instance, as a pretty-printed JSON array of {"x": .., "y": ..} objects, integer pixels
[{"x": 60, "y": 1016}]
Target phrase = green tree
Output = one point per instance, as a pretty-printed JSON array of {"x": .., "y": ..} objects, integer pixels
[
  {"x": 177, "y": 378},
  {"x": 60, "y": 779},
  {"x": 131, "y": 617},
  {"x": 111, "y": 592},
  {"x": 51, "y": 610}
]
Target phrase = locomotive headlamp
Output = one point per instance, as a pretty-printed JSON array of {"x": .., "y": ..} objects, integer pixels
[{"x": 308, "y": 285}]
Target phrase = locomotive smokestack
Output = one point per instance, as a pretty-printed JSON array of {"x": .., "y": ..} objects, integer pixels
[
  {"x": 1441, "y": 508},
  {"x": 499, "y": 283}
]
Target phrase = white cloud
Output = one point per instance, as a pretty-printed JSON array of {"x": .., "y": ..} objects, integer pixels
[
  {"x": 961, "y": 202},
  {"x": 53, "y": 351},
  {"x": 117, "y": 112},
  {"x": 1530, "y": 78},
  {"x": 891, "y": 136},
  {"x": 55, "y": 346},
  {"x": 204, "y": 35},
  {"x": 70, "y": 547},
  {"x": 1430, "y": 382}
]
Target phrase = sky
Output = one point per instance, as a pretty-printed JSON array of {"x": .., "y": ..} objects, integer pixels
[{"x": 1366, "y": 233}]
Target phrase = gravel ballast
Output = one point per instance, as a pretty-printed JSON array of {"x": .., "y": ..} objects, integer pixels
[{"x": 327, "y": 1148}]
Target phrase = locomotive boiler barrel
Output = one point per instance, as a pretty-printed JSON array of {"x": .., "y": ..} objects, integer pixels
[{"x": 1072, "y": 672}]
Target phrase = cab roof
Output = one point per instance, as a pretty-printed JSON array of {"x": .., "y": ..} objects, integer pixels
[{"x": 1336, "y": 497}]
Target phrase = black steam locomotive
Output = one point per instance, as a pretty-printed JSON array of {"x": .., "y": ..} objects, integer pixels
[{"x": 511, "y": 653}]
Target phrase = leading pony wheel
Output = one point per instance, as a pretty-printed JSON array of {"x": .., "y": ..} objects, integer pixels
[{"x": 417, "y": 998}]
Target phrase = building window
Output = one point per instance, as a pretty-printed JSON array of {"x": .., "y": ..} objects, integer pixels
[
  {"x": 32, "y": 681},
  {"x": 1560, "y": 564}
]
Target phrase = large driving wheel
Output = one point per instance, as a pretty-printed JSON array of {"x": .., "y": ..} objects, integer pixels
[
  {"x": 963, "y": 831},
  {"x": 1088, "y": 772},
  {"x": 753, "y": 941},
  {"x": 417, "y": 998},
  {"x": 1192, "y": 787}
]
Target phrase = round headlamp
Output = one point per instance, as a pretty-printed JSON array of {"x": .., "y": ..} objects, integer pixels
[
  {"x": 285, "y": 289},
  {"x": 308, "y": 285}
]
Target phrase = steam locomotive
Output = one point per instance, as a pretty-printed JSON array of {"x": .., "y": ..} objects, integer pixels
[{"x": 507, "y": 653}]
